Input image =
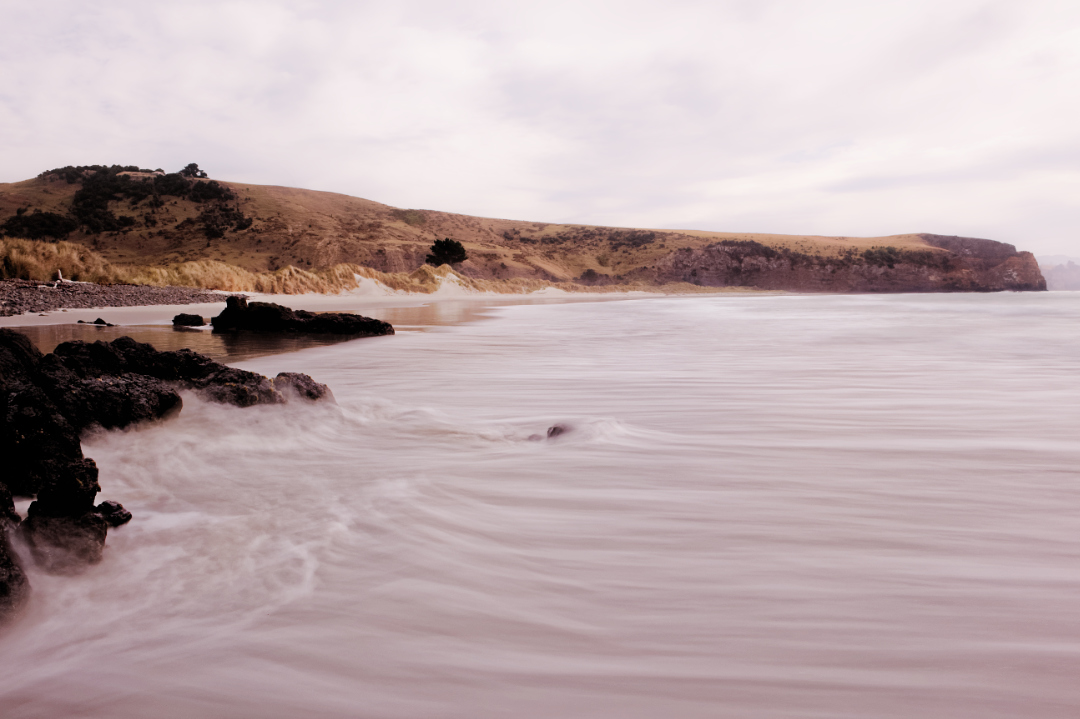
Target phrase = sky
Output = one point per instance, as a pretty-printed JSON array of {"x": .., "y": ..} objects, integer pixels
[{"x": 832, "y": 117}]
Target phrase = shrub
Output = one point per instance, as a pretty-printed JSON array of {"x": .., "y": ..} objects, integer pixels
[
  {"x": 37, "y": 225},
  {"x": 446, "y": 252}
]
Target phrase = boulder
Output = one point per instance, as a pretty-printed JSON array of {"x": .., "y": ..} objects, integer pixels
[
  {"x": 18, "y": 357},
  {"x": 113, "y": 513},
  {"x": 69, "y": 491},
  {"x": 302, "y": 386},
  {"x": 230, "y": 385},
  {"x": 186, "y": 320},
  {"x": 65, "y": 545},
  {"x": 35, "y": 439},
  {"x": 117, "y": 401},
  {"x": 239, "y": 314}
]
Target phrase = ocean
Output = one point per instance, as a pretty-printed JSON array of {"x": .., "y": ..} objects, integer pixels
[{"x": 760, "y": 506}]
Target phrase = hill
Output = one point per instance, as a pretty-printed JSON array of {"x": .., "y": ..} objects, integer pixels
[
  {"x": 134, "y": 217},
  {"x": 1062, "y": 272}
]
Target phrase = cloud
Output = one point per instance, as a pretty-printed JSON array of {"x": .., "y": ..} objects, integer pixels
[{"x": 835, "y": 117}]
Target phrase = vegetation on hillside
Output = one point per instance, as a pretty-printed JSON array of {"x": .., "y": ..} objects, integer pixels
[
  {"x": 446, "y": 252},
  {"x": 104, "y": 186}
]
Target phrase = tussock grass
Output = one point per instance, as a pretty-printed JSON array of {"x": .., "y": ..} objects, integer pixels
[{"x": 34, "y": 260}]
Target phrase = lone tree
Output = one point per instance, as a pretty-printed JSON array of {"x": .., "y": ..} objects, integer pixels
[
  {"x": 446, "y": 252},
  {"x": 192, "y": 170}
]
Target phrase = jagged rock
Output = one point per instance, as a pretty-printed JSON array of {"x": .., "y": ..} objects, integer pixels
[
  {"x": 90, "y": 359},
  {"x": 230, "y": 385},
  {"x": 14, "y": 587},
  {"x": 173, "y": 366},
  {"x": 45, "y": 401},
  {"x": 113, "y": 513},
  {"x": 186, "y": 320},
  {"x": 18, "y": 357},
  {"x": 121, "y": 361},
  {"x": 118, "y": 401},
  {"x": 69, "y": 491},
  {"x": 35, "y": 439},
  {"x": 239, "y": 314},
  {"x": 65, "y": 545},
  {"x": 301, "y": 385}
]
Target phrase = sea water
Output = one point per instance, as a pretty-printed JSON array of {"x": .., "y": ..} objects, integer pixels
[{"x": 762, "y": 506}]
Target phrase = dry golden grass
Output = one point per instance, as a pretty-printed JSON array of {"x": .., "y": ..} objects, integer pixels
[{"x": 32, "y": 260}]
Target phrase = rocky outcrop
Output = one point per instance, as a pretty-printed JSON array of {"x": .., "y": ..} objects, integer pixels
[
  {"x": 186, "y": 320},
  {"x": 301, "y": 386},
  {"x": 46, "y": 401},
  {"x": 949, "y": 264},
  {"x": 239, "y": 314}
]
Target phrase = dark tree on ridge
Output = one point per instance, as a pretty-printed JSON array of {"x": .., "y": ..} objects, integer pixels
[
  {"x": 446, "y": 252},
  {"x": 192, "y": 170}
]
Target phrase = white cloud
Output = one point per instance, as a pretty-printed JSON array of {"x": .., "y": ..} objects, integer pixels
[{"x": 833, "y": 117}]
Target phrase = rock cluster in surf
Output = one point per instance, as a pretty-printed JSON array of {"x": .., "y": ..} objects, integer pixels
[
  {"x": 239, "y": 314},
  {"x": 47, "y": 401}
]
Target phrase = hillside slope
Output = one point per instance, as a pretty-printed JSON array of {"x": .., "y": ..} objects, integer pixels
[{"x": 140, "y": 217}]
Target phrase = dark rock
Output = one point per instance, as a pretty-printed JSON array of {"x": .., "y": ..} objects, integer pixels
[
  {"x": 8, "y": 516},
  {"x": 113, "y": 513},
  {"x": 186, "y": 320},
  {"x": 18, "y": 357},
  {"x": 239, "y": 314},
  {"x": 301, "y": 385},
  {"x": 103, "y": 323},
  {"x": 14, "y": 587},
  {"x": 65, "y": 545},
  {"x": 117, "y": 401},
  {"x": 556, "y": 429},
  {"x": 35, "y": 439},
  {"x": 230, "y": 385},
  {"x": 90, "y": 359},
  {"x": 175, "y": 366},
  {"x": 69, "y": 491}
]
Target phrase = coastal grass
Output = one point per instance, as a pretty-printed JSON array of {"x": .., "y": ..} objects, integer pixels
[{"x": 36, "y": 260}]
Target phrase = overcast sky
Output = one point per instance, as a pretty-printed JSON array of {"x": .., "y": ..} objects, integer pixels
[{"x": 825, "y": 117}]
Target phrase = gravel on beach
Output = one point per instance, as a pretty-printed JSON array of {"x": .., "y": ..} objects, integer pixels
[{"x": 20, "y": 296}]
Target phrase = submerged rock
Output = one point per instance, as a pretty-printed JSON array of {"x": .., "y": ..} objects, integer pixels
[
  {"x": 239, "y": 314},
  {"x": 556, "y": 429}
]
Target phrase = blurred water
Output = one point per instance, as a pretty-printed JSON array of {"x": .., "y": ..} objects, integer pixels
[{"x": 787, "y": 506}]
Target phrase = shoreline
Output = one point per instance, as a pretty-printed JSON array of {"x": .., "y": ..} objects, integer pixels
[
  {"x": 126, "y": 305},
  {"x": 19, "y": 297}
]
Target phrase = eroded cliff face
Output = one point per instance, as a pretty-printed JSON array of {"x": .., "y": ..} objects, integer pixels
[{"x": 949, "y": 264}]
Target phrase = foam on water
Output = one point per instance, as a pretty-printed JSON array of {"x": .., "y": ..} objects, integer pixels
[{"x": 763, "y": 506}]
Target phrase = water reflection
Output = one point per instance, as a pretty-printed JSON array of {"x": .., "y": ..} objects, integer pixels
[
  {"x": 237, "y": 347},
  {"x": 223, "y": 347}
]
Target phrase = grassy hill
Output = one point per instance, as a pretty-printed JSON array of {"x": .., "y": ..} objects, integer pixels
[{"x": 138, "y": 218}]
